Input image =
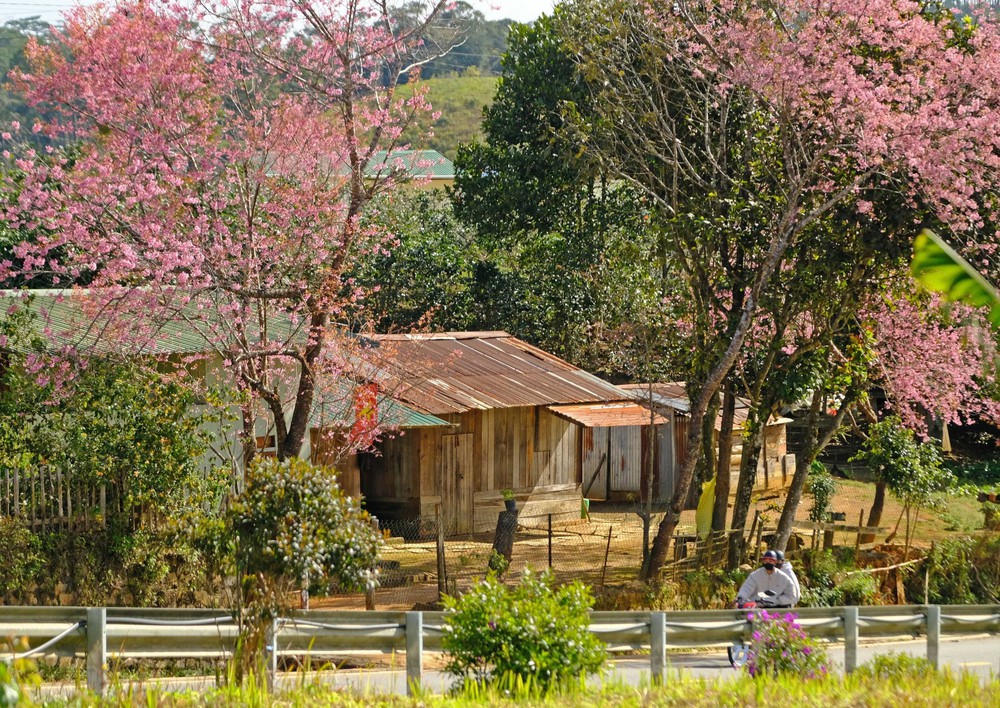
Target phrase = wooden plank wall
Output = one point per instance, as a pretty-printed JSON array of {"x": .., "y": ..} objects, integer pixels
[{"x": 526, "y": 449}]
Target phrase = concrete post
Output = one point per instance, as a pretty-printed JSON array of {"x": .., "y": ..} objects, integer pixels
[
  {"x": 414, "y": 651},
  {"x": 850, "y": 639},
  {"x": 658, "y": 647},
  {"x": 97, "y": 649}
]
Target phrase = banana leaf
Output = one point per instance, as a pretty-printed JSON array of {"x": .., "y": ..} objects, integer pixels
[{"x": 939, "y": 268}]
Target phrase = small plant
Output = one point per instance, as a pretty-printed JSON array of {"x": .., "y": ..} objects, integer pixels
[
  {"x": 16, "y": 676},
  {"x": 894, "y": 667},
  {"x": 507, "y": 494},
  {"x": 780, "y": 646},
  {"x": 532, "y": 633},
  {"x": 498, "y": 564},
  {"x": 822, "y": 487}
]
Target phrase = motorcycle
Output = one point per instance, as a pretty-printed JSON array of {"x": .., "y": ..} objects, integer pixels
[{"x": 739, "y": 651}]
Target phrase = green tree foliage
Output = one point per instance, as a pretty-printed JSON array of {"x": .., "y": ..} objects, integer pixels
[
  {"x": 569, "y": 262},
  {"x": 14, "y": 35},
  {"x": 532, "y": 631},
  {"x": 460, "y": 41},
  {"x": 103, "y": 421},
  {"x": 294, "y": 527},
  {"x": 911, "y": 470},
  {"x": 429, "y": 275}
]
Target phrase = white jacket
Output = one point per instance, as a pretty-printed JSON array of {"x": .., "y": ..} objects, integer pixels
[
  {"x": 787, "y": 569},
  {"x": 778, "y": 586}
]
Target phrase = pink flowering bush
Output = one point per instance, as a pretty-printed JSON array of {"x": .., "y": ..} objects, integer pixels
[{"x": 781, "y": 646}]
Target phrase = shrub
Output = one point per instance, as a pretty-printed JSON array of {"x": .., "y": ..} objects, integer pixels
[
  {"x": 295, "y": 527},
  {"x": 822, "y": 487},
  {"x": 857, "y": 589},
  {"x": 961, "y": 570},
  {"x": 894, "y": 667},
  {"x": 22, "y": 555},
  {"x": 532, "y": 633},
  {"x": 780, "y": 646}
]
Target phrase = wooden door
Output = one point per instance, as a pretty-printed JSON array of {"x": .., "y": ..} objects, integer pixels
[{"x": 457, "y": 482}]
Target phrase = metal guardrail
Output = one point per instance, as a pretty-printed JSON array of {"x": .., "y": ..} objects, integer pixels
[{"x": 98, "y": 634}]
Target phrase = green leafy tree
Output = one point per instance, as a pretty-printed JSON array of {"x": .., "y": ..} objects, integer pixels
[
  {"x": 911, "y": 470},
  {"x": 556, "y": 233},
  {"x": 117, "y": 423}
]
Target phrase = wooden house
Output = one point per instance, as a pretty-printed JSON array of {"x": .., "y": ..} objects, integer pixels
[
  {"x": 775, "y": 466},
  {"x": 496, "y": 393}
]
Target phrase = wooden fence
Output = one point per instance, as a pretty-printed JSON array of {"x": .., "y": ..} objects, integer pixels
[
  {"x": 100, "y": 634},
  {"x": 47, "y": 497}
]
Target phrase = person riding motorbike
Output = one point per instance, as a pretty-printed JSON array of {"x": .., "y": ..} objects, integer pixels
[{"x": 768, "y": 580}]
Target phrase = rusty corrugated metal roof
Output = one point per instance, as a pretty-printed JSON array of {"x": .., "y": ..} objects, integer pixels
[
  {"x": 673, "y": 394},
  {"x": 608, "y": 415},
  {"x": 453, "y": 372}
]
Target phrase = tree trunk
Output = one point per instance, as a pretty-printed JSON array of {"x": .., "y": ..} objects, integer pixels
[
  {"x": 723, "y": 464},
  {"x": 875, "y": 515},
  {"x": 752, "y": 443},
  {"x": 815, "y": 443}
]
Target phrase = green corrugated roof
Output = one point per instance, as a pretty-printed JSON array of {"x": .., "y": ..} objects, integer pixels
[
  {"x": 81, "y": 319},
  {"x": 419, "y": 164},
  {"x": 73, "y": 318}
]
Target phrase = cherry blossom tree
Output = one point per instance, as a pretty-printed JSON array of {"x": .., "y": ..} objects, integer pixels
[
  {"x": 851, "y": 94},
  {"x": 219, "y": 157}
]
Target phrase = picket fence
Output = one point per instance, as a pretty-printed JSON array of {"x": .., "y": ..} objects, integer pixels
[{"x": 46, "y": 497}]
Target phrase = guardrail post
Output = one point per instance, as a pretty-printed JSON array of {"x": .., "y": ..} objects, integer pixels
[
  {"x": 271, "y": 654},
  {"x": 850, "y": 639},
  {"x": 933, "y": 616},
  {"x": 414, "y": 651},
  {"x": 97, "y": 649},
  {"x": 658, "y": 647}
]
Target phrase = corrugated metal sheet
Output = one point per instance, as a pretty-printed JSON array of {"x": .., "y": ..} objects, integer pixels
[
  {"x": 456, "y": 372},
  {"x": 673, "y": 395},
  {"x": 336, "y": 410},
  {"x": 608, "y": 415},
  {"x": 415, "y": 163},
  {"x": 97, "y": 322}
]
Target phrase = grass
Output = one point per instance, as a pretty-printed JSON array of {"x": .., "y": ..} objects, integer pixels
[
  {"x": 925, "y": 689},
  {"x": 460, "y": 101}
]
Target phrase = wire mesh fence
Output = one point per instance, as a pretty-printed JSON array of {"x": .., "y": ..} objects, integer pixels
[{"x": 424, "y": 559}]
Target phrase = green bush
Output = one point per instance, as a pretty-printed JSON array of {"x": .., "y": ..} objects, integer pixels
[
  {"x": 962, "y": 570},
  {"x": 822, "y": 487},
  {"x": 780, "y": 646},
  {"x": 22, "y": 555},
  {"x": 857, "y": 589},
  {"x": 532, "y": 633},
  {"x": 894, "y": 667},
  {"x": 296, "y": 528}
]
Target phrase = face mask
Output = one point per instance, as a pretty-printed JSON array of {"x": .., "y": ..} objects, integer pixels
[{"x": 767, "y": 566}]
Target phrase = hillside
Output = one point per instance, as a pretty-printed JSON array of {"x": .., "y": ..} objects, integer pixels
[{"x": 460, "y": 100}]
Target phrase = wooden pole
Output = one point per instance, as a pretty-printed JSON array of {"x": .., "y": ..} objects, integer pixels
[
  {"x": 370, "y": 590},
  {"x": 857, "y": 540},
  {"x": 607, "y": 551},
  {"x": 442, "y": 571},
  {"x": 550, "y": 541}
]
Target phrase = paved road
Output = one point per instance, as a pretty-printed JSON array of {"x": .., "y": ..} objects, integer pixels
[{"x": 979, "y": 655}]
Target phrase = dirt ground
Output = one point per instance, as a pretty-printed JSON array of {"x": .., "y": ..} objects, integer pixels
[{"x": 606, "y": 548}]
